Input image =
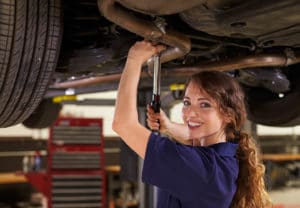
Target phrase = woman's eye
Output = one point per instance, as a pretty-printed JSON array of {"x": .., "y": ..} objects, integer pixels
[
  {"x": 205, "y": 105},
  {"x": 186, "y": 103}
]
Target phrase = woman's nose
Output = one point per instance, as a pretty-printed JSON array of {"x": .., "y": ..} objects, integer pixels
[{"x": 192, "y": 111}]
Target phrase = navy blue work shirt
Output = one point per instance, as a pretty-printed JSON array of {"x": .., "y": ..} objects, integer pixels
[{"x": 191, "y": 177}]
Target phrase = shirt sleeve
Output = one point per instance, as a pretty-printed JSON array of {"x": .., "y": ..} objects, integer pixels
[{"x": 177, "y": 168}]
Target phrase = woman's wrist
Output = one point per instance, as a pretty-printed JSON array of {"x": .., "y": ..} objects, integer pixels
[
  {"x": 168, "y": 129},
  {"x": 133, "y": 62}
]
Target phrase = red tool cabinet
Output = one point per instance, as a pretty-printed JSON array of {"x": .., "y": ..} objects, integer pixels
[{"x": 75, "y": 176}]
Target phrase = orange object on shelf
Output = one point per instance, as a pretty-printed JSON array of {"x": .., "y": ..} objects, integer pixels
[
  {"x": 6, "y": 178},
  {"x": 281, "y": 157}
]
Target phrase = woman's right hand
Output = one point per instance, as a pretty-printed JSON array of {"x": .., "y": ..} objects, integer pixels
[
  {"x": 157, "y": 121},
  {"x": 141, "y": 51}
]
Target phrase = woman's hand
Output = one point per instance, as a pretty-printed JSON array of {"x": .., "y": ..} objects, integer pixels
[
  {"x": 157, "y": 121},
  {"x": 177, "y": 131},
  {"x": 141, "y": 51}
]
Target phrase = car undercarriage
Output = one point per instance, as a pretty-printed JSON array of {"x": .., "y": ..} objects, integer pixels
[{"x": 257, "y": 42}]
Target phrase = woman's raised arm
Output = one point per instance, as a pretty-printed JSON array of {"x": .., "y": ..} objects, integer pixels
[{"x": 125, "y": 122}]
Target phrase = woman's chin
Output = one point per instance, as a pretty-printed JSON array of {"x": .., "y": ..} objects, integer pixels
[{"x": 194, "y": 137}]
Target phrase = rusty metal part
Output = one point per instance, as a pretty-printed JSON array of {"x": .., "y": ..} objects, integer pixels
[
  {"x": 90, "y": 81},
  {"x": 252, "y": 61},
  {"x": 160, "y": 7},
  {"x": 180, "y": 44},
  {"x": 87, "y": 81}
]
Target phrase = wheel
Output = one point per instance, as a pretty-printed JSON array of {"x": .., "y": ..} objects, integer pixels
[
  {"x": 44, "y": 116},
  {"x": 267, "y": 108},
  {"x": 30, "y": 38}
]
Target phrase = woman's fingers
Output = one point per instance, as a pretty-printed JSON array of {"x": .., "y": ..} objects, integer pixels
[
  {"x": 152, "y": 125},
  {"x": 153, "y": 116},
  {"x": 151, "y": 113},
  {"x": 150, "y": 109},
  {"x": 152, "y": 119},
  {"x": 160, "y": 48},
  {"x": 141, "y": 51}
]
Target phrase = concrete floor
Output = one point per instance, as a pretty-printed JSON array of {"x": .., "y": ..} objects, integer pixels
[{"x": 287, "y": 197}]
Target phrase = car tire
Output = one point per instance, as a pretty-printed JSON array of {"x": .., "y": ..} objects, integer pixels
[
  {"x": 30, "y": 38},
  {"x": 44, "y": 116},
  {"x": 266, "y": 108}
]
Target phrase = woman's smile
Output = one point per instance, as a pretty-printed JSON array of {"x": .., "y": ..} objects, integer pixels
[{"x": 193, "y": 125}]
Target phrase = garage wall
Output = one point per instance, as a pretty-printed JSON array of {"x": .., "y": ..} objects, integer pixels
[
  {"x": 18, "y": 130},
  {"x": 106, "y": 112}
]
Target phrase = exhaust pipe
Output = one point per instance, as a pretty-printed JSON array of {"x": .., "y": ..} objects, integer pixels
[
  {"x": 252, "y": 61},
  {"x": 179, "y": 44},
  {"x": 90, "y": 81}
]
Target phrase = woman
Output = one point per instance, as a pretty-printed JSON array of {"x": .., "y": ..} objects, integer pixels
[{"x": 220, "y": 169}]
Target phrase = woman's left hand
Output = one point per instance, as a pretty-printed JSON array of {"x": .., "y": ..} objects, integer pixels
[{"x": 157, "y": 121}]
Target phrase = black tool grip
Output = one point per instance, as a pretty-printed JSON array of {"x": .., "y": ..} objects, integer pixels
[{"x": 155, "y": 105}]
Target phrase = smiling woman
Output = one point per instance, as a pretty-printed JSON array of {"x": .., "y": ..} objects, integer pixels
[{"x": 222, "y": 171}]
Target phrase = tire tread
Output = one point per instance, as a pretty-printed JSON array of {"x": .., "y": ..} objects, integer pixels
[{"x": 30, "y": 54}]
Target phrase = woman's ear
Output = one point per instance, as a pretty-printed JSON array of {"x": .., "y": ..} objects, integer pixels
[{"x": 227, "y": 118}]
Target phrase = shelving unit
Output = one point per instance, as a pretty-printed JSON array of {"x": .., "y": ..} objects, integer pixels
[
  {"x": 75, "y": 176},
  {"x": 76, "y": 164}
]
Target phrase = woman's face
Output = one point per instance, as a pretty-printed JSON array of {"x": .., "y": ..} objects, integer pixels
[{"x": 202, "y": 115}]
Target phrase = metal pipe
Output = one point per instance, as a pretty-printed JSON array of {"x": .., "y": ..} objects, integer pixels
[
  {"x": 180, "y": 44},
  {"x": 90, "y": 81},
  {"x": 86, "y": 81},
  {"x": 252, "y": 61}
]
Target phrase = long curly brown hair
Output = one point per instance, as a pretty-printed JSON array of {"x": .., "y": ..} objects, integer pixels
[{"x": 226, "y": 91}]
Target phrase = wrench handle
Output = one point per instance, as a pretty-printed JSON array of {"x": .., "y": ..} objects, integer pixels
[{"x": 155, "y": 103}]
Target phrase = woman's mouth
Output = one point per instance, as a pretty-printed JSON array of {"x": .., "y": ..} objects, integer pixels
[{"x": 193, "y": 125}]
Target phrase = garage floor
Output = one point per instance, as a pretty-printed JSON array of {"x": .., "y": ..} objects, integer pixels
[{"x": 288, "y": 197}]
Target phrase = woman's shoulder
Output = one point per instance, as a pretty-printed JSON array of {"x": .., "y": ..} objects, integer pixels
[{"x": 224, "y": 148}]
